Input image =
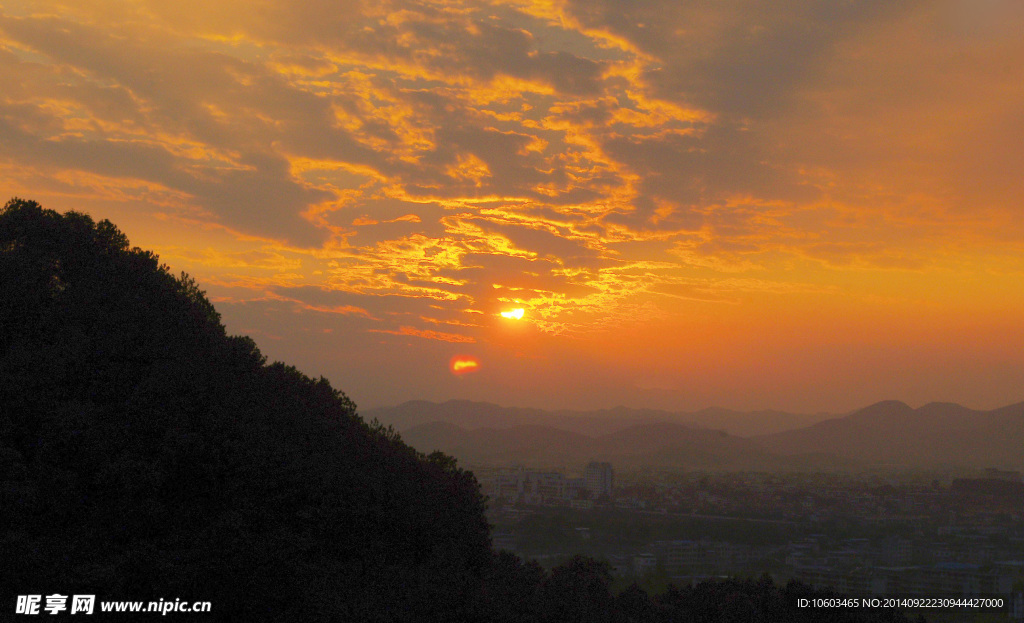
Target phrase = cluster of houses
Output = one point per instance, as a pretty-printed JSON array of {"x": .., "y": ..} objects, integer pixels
[{"x": 532, "y": 486}]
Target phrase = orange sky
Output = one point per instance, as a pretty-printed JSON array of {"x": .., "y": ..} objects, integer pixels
[{"x": 795, "y": 205}]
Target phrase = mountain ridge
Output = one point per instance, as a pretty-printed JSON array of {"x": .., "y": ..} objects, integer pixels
[
  {"x": 659, "y": 444},
  {"x": 468, "y": 413},
  {"x": 886, "y": 433},
  {"x": 891, "y": 432}
]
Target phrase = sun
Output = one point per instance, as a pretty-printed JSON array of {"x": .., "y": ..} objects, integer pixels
[
  {"x": 513, "y": 314},
  {"x": 463, "y": 364}
]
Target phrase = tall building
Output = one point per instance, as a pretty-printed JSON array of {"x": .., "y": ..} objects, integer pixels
[{"x": 598, "y": 477}]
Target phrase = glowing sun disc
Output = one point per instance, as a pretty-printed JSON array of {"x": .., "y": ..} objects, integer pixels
[
  {"x": 514, "y": 314},
  {"x": 463, "y": 364}
]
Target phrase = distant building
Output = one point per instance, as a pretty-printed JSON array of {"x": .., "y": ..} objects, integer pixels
[
  {"x": 543, "y": 486},
  {"x": 532, "y": 486},
  {"x": 573, "y": 487},
  {"x": 1001, "y": 474},
  {"x": 518, "y": 484},
  {"x": 598, "y": 477},
  {"x": 644, "y": 563},
  {"x": 679, "y": 556}
]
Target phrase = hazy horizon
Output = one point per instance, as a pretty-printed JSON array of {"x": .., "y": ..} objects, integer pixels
[
  {"x": 888, "y": 435},
  {"x": 804, "y": 207},
  {"x": 825, "y": 412}
]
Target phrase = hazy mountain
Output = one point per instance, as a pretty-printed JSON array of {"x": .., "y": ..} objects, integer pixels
[
  {"x": 667, "y": 444},
  {"x": 656, "y": 445},
  {"x": 526, "y": 444},
  {"x": 893, "y": 433},
  {"x": 472, "y": 415},
  {"x": 750, "y": 423},
  {"x": 887, "y": 433}
]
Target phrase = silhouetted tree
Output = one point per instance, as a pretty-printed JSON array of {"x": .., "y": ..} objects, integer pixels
[
  {"x": 144, "y": 453},
  {"x": 511, "y": 592},
  {"x": 634, "y": 605},
  {"x": 578, "y": 591}
]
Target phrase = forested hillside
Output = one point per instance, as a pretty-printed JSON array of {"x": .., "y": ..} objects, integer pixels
[{"x": 144, "y": 453}]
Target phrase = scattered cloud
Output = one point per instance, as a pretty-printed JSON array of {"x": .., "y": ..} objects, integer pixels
[{"x": 598, "y": 164}]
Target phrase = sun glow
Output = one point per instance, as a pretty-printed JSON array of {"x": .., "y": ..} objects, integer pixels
[
  {"x": 463, "y": 364},
  {"x": 514, "y": 314}
]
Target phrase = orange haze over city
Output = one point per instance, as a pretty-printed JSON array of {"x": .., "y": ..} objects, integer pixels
[{"x": 809, "y": 206}]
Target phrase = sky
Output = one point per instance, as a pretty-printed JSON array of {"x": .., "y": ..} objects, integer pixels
[{"x": 797, "y": 205}]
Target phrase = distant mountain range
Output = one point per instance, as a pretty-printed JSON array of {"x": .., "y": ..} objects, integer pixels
[
  {"x": 644, "y": 445},
  {"x": 472, "y": 415},
  {"x": 886, "y": 434},
  {"x": 893, "y": 433}
]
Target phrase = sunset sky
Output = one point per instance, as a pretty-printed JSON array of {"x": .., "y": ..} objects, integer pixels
[{"x": 798, "y": 205}]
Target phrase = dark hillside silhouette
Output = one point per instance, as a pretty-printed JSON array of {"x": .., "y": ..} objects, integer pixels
[{"x": 146, "y": 454}]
